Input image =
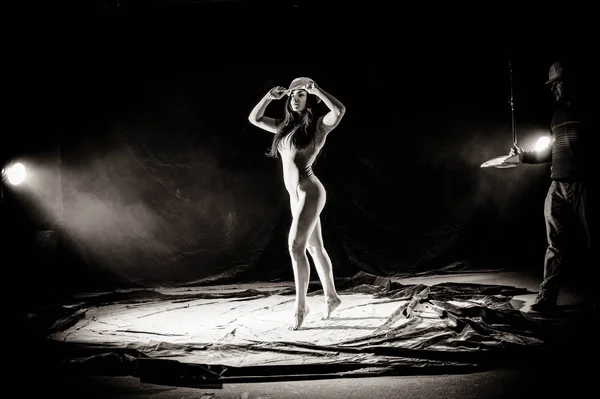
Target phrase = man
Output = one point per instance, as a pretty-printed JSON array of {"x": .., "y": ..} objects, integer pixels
[{"x": 566, "y": 208}]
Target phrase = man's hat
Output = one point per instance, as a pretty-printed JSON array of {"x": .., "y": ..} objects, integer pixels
[{"x": 555, "y": 73}]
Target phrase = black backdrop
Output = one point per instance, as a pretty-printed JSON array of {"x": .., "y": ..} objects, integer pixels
[{"x": 134, "y": 122}]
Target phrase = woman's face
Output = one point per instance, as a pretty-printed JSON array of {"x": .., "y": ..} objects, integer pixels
[{"x": 298, "y": 99}]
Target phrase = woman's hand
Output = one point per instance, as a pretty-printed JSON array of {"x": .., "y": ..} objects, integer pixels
[
  {"x": 311, "y": 87},
  {"x": 277, "y": 92}
]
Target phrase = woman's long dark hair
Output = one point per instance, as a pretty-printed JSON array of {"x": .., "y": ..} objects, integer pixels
[{"x": 300, "y": 126}]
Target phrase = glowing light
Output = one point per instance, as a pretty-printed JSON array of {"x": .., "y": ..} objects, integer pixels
[
  {"x": 16, "y": 174},
  {"x": 542, "y": 143}
]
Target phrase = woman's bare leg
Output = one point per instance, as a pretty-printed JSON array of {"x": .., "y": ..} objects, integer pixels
[
  {"x": 305, "y": 217},
  {"x": 322, "y": 261}
]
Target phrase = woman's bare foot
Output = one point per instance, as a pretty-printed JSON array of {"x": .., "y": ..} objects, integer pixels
[
  {"x": 299, "y": 317},
  {"x": 330, "y": 306}
]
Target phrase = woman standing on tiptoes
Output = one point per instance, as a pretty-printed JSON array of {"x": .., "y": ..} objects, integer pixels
[{"x": 298, "y": 141}]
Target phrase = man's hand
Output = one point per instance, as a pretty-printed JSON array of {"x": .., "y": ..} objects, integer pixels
[{"x": 517, "y": 150}]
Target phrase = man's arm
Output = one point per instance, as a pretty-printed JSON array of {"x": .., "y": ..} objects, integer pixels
[
  {"x": 535, "y": 157},
  {"x": 531, "y": 157}
]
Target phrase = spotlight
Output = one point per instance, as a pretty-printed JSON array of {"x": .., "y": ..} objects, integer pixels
[
  {"x": 542, "y": 143},
  {"x": 15, "y": 173}
]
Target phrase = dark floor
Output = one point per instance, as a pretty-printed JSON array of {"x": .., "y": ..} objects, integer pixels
[{"x": 565, "y": 378}]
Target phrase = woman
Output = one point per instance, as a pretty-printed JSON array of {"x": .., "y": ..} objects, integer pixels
[{"x": 298, "y": 141}]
